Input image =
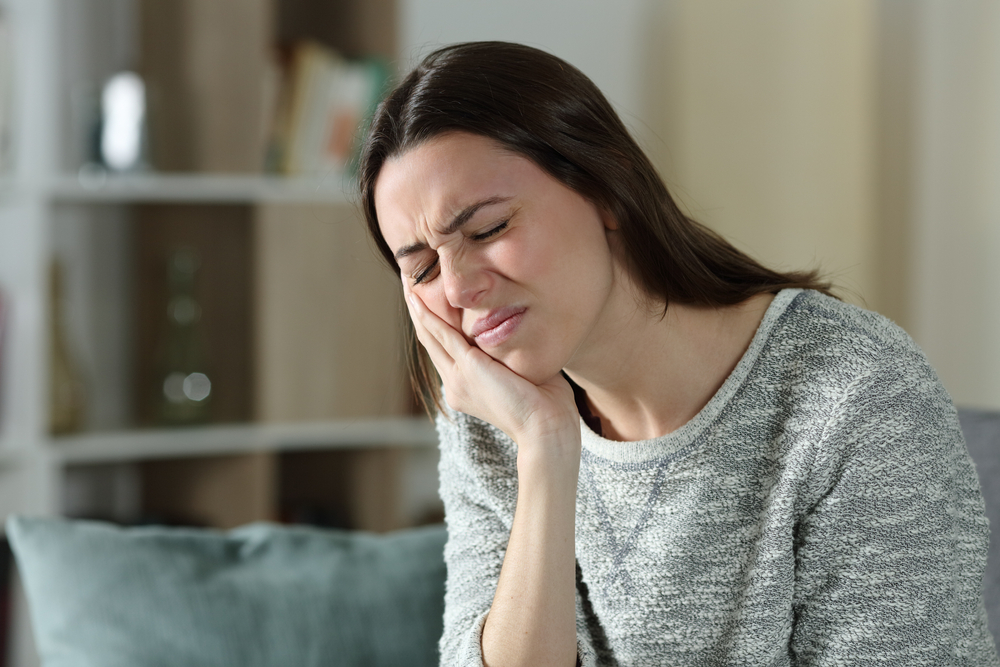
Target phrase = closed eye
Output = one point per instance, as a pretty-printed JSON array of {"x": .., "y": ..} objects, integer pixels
[
  {"x": 487, "y": 234},
  {"x": 423, "y": 275},
  {"x": 426, "y": 273}
]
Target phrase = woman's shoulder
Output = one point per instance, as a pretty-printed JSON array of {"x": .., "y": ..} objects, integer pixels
[
  {"x": 860, "y": 372},
  {"x": 832, "y": 359},
  {"x": 863, "y": 397},
  {"x": 818, "y": 329}
]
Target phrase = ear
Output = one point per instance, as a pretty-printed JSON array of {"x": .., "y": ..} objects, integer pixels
[{"x": 610, "y": 223}]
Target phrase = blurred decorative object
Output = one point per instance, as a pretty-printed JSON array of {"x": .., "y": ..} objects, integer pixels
[
  {"x": 324, "y": 105},
  {"x": 123, "y": 122},
  {"x": 183, "y": 390},
  {"x": 67, "y": 393},
  {"x": 220, "y": 238},
  {"x": 6, "y": 94}
]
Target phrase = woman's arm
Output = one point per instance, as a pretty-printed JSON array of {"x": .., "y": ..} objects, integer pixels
[
  {"x": 478, "y": 474},
  {"x": 532, "y": 618},
  {"x": 889, "y": 560}
]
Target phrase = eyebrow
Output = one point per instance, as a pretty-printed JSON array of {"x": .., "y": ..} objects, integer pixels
[{"x": 456, "y": 223}]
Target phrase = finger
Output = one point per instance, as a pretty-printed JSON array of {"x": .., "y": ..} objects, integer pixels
[
  {"x": 445, "y": 344},
  {"x": 435, "y": 349},
  {"x": 452, "y": 341},
  {"x": 469, "y": 374}
]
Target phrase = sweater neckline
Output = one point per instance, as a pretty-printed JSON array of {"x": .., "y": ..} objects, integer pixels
[{"x": 642, "y": 451}]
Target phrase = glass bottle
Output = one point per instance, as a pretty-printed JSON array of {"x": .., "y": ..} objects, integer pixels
[{"x": 183, "y": 387}]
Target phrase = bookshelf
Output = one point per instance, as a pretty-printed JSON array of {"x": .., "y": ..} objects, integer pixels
[
  {"x": 220, "y": 439},
  {"x": 208, "y": 188},
  {"x": 312, "y": 420}
]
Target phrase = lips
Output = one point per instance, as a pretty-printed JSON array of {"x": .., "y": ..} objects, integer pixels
[{"x": 497, "y": 325}]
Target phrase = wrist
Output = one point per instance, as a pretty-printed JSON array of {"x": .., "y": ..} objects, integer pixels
[
  {"x": 552, "y": 462},
  {"x": 558, "y": 430}
]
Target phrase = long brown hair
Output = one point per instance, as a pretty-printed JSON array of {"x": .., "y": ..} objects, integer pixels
[{"x": 543, "y": 108}]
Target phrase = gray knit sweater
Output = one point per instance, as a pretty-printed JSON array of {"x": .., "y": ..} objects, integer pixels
[{"x": 820, "y": 510}]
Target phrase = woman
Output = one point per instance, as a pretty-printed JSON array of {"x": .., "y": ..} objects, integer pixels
[{"x": 655, "y": 451}]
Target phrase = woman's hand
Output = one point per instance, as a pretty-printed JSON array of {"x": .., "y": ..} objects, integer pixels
[
  {"x": 532, "y": 620},
  {"x": 478, "y": 385}
]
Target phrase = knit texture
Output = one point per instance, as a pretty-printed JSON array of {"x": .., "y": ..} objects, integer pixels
[{"x": 822, "y": 509}]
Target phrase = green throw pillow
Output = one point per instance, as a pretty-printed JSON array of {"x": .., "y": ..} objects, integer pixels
[{"x": 260, "y": 595}]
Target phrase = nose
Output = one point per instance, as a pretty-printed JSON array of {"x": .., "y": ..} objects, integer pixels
[{"x": 465, "y": 284}]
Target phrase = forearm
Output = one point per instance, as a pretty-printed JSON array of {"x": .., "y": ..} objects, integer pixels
[{"x": 532, "y": 620}]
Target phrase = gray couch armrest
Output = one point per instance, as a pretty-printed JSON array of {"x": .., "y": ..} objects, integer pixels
[{"x": 982, "y": 436}]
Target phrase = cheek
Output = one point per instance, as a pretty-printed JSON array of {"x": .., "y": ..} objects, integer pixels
[
  {"x": 570, "y": 261},
  {"x": 524, "y": 259},
  {"x": 434, "y": 298}
]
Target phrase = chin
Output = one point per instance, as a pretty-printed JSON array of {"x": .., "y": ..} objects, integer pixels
[{"x": 532, "y": 368}]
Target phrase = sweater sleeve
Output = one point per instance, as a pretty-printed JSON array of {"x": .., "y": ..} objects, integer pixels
[
  {"x": 891, "y": 553},
  {"x": 478, "y": 477}
]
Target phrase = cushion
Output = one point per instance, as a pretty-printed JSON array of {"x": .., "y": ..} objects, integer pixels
[
  {"x": 982, "y": 436},
  {"x": 262, "y": 594}
]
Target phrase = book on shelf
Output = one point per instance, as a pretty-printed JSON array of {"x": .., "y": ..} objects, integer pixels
[{"x": 323, "y": 105}]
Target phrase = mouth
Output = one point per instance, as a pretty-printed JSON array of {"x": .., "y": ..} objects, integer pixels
[{"x": 497, "y": 326}]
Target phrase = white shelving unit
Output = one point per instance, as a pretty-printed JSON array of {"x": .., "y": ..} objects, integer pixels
[
  {"x": 24, "y": 252},
  {"x": 225, "y": 439},
  {"x": 47, "y": 207},
  {"x": 207, "y": 189},
  {"x": 29, "y": 478}
]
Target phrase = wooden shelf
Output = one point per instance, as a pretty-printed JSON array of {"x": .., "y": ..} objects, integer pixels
[
  {"x": 202, "y": 188},
  {"x": 243, "y": 438},
  {"x": 235, "y": 471}
]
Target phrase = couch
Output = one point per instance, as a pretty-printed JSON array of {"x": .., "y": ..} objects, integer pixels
[
  {"x": 982, "y": 435},
  {"x": 263, "y": 595},
  {"x": 267, "y": 595}
]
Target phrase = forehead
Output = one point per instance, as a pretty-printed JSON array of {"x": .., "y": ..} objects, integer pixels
[{"x": 419, "y": 191}]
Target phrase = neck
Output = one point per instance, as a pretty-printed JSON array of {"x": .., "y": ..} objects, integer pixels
[{"x": 646, "y": 374}]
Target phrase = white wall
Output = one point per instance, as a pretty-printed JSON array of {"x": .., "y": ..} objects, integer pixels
[
  {"x": 759, "y": 114},
  {"x": 768, "y": 116},
  {"x": 955, "y": 298},
  {"x": 862, "y": 136},
  {"x": 600, "y": 37}
]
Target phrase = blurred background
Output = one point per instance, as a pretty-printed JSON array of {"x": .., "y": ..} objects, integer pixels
[{"x": 194, "y": 329}]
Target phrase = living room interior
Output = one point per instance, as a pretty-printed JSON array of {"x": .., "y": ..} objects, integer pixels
[{"x": 196, "y": 333}]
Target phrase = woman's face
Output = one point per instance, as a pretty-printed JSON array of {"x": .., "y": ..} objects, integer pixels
[{"x": 498, "y": 249}]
